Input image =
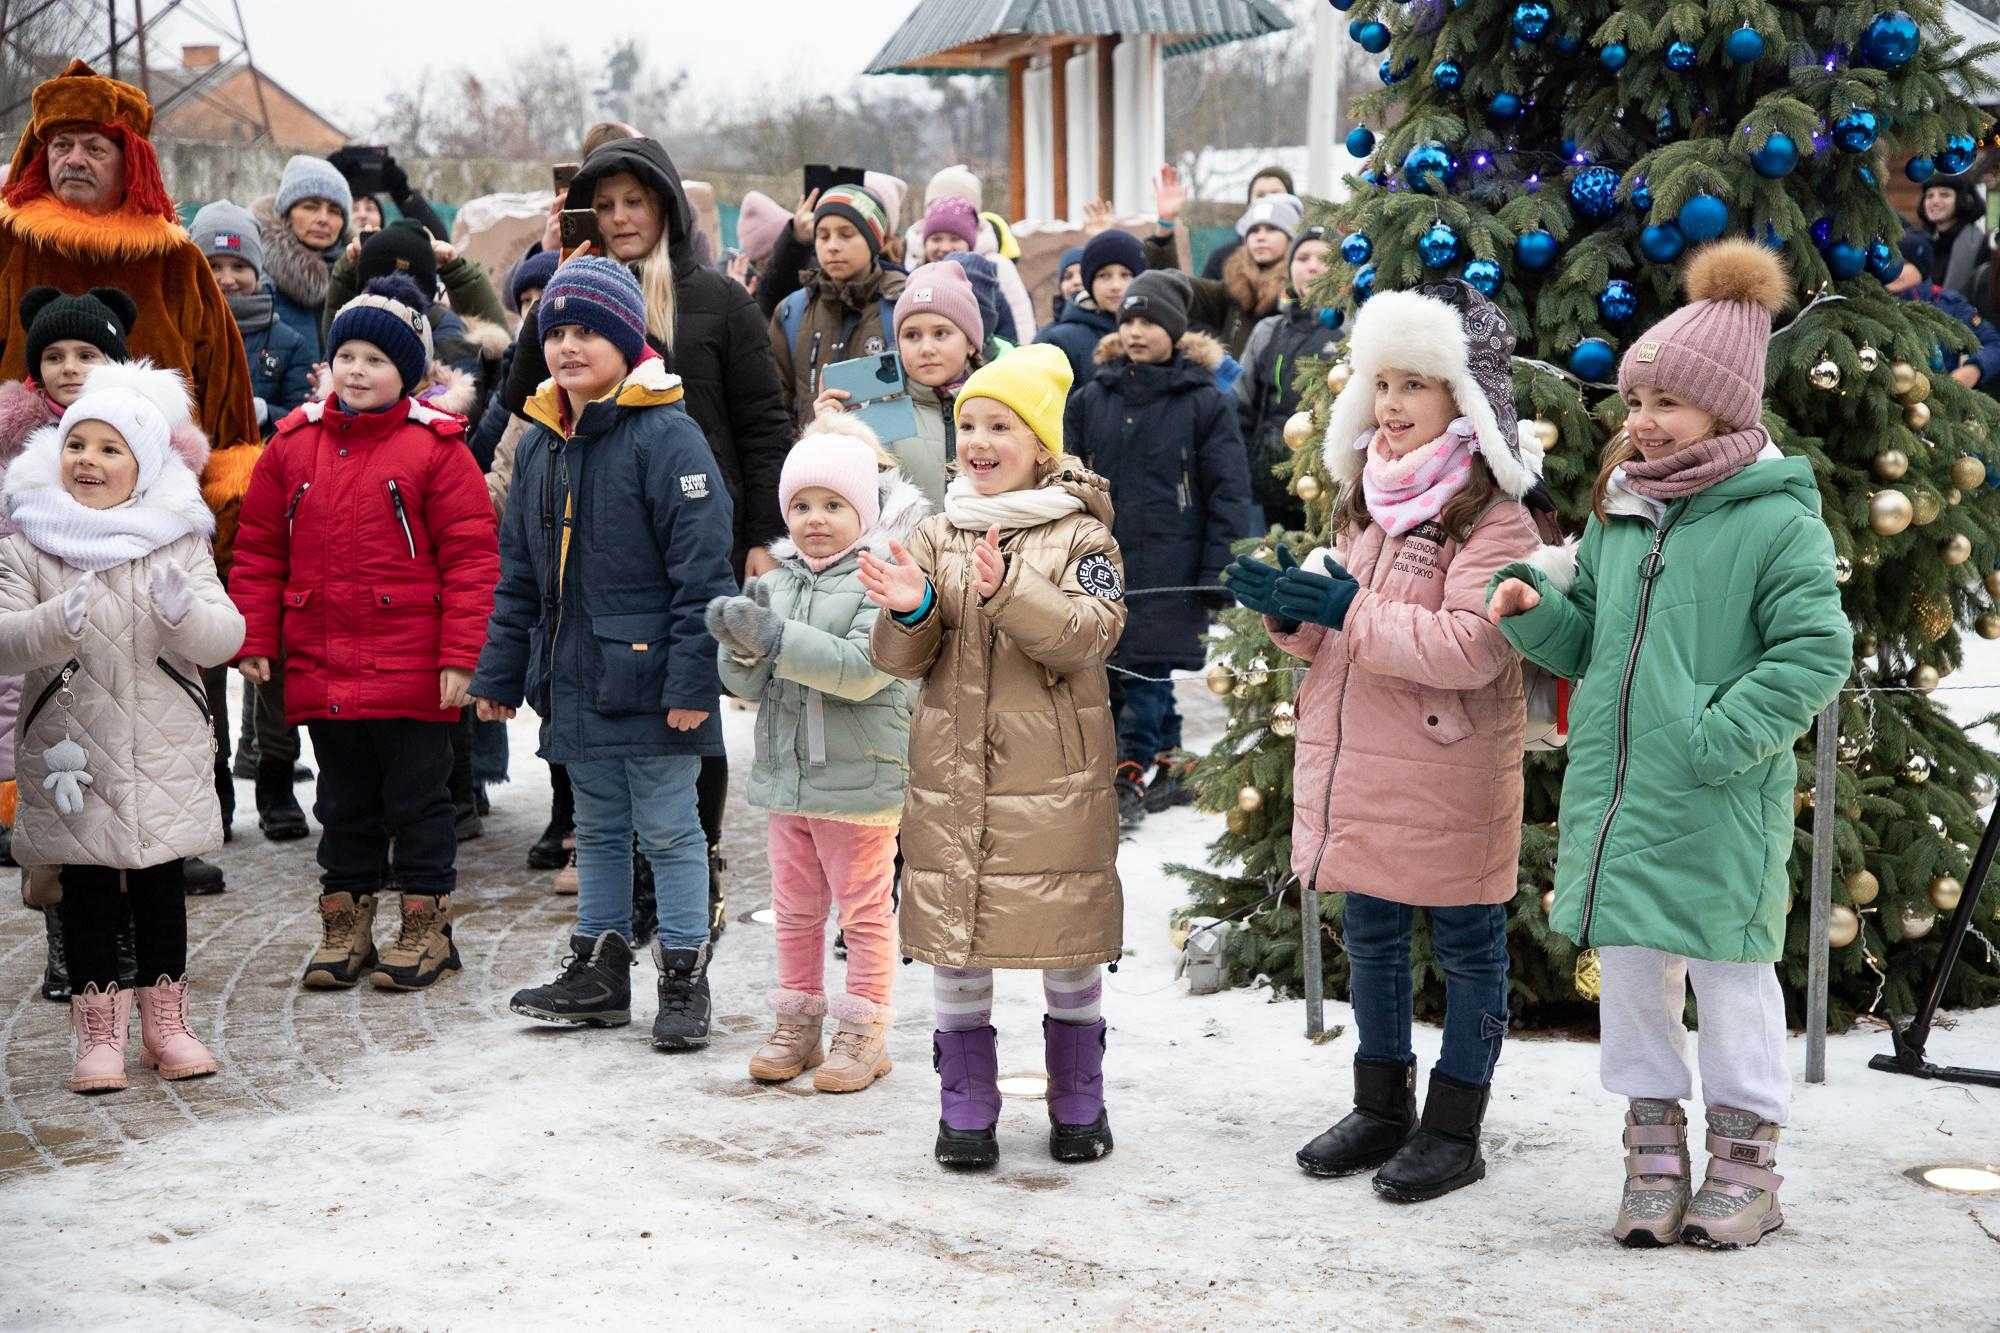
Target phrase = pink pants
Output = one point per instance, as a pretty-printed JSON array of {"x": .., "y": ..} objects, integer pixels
[{"x": 816, "y": 863}]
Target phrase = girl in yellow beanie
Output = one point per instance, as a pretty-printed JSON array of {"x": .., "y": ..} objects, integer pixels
[{"x": 1006, "y": 606}]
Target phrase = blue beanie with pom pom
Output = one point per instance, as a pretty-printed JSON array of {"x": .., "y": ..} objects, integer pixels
[{"x": 390, "y": 315}]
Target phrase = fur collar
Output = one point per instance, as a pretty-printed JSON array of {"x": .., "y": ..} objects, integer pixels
[
  {"x": 443, "y": 386},
  {"x": 24, "y": 409},
  {"x": 122, "y": 235},
  {"x": 300, "y": 273},
  {"x": 490, "y": 340},
  {"x": 1200, "y": 350},
  {"x": 1256, "y": 290},
  {"x": 903, "y": 505}
]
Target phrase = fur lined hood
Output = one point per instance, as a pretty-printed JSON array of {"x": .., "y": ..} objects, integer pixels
[
  {"x": 1255, "y": 290},
  {"x": 903, "y": 507},
  {"x": 24, "y": 409},
  {"x": 1200, "y": 350},
  {"x": 446, "y": 388},
  {"x": 300, "y": 273},
  {"x": 492, "y": 341}
]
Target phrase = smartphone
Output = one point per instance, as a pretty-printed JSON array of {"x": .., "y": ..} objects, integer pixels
[
  {"x": 580, "y": 225},
  {"x": 821, "y": 177},
  {"x": 564, "y": 173},
  {"x": 877, "y": 393}
]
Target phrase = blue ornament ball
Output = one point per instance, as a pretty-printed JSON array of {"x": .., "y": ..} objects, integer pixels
[
  {"x": 1364, "y": 284},
  {"x": 1531, "y": 20},
  {"x": 1745, "y": 46},
  {"x": 1618, "y": 302},
  {"x": 1703, "y": 217},
  {"x": 1855, "y": 132},
  {"x": 1342, "y": 5},
  {"x": 1447, "y": 75},
  {"x": 1613, "y": 56},
  {"x": 1771, "y": 241},
  {"x": 1360, "y": 141},
  {"x": 1885, "y": 261},
  {"x": 1680, "y": 56},
  {"x": 1957, "y": 156},
  {"x": 1356, "y": 248},
  {"x": 1504, "y": 106},
  {"x": 1438, "y": 247},
  {"x": 1992, "y": 476},
  {"x": 1354, "y": 27},
  {"x": 1374, "y": 37},
  {"x": 1920, "y": 168},
  {"x": 1776, "y": 157},
  {"x": 1398, "y": 74},
  {"x": 1568, "y": 44},
  {"x": 1867, "y": 175},
  {"x": 1937, "y": 359},
  {"x": 1536, "y": 250},
  {"x": 1821, "y": 232},
  {"x": 1845, "y": 260},
  {"x": 1329, "y": 317},
  {"x": 1662, "y": 244},
  {"x": 1663, "y": 128},
  {"x": 1426, "y": 167},
  {"x": 1594, "y": 192},
  {"x": 1483, "y": 276},
  {"x": 1890, "y": 40},
  {"x": 1592, "y": 360},
  {"x": 1640, "y": 196}
]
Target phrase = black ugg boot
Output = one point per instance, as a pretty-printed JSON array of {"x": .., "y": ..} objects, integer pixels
[
  {"x": 55, "y": 972},
  {"x": 1443, "y": 1155},
  {"x": 1383, "y": 1118}
]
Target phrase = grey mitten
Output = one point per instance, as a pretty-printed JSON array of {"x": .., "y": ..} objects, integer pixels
[
  {"x": 717, "y": 629},
  {"x": 753, "y": 624}
]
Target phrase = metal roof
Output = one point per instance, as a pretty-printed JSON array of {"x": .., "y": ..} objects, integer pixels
[
  {"x": 938, "y": 26},
  {"x": 1976, "y": 29}
]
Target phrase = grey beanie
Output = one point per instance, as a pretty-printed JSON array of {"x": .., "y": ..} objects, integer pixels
[
  {"x": 313, "y": 178},
  {"x": 223, "y": 228},
  {"x": 1283, "y": 211}
]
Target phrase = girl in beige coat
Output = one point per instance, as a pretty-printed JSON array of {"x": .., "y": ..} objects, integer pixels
[{"x": 110, "y": 608}]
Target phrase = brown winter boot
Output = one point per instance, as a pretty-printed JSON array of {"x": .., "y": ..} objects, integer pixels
[
  {"x": 857, "y": 1056},
  {"x": 423, "y": 950},
  {"x": 793, "y": 1046},
  {"x": 1654, "y": 1204},
  {"x": 346, "y": 950},
  {"x": 1738, "y": 1201}
]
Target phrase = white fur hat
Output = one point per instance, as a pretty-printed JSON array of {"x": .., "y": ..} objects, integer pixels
[{"x": 144, "y": 404}]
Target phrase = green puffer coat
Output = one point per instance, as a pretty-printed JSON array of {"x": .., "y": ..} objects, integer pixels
[
  {"x": 1694, "y": 684},
  {"x": 833, "y": 730}
]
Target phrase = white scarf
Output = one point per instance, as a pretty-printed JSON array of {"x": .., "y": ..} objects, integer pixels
[
  {"x": 1010, "y": 511},
  {"x": 99, "y": 539}
]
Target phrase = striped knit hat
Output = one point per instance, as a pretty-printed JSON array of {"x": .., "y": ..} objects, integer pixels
[
  {"x": 863, "y": 209},
  {"x": 389, "y": 315},
  {"x": 600, "y": 295}
]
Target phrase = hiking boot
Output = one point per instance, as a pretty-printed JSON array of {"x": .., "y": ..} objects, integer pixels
[
  {"x": 1168, "y": 788},
  {"x": 1655, "y": 1201},
  {"x": 201, "y": 879},
  {"x": 718, "y": 911},
  {"x": 793, "y": 1046},
  {"x": 968, "y": 1069},
  {"x": 1131, "y": 787},
  {"x": 423, "y": 950},
  {"x": 1079, "y": 1127},
  {"x": 858, "y": 1055},
  {"x": 167, "y": 1044},
  {"x": 1383, "y": 1118},
  {"x": 98, "y": 1020},
  {"x": 55, "y": 972},
  {"x": 682, "y": 1023},
  {"x": 645, "y": 903},
  {"x": 346, "y": 950},
  {"x": 1443, "y": 1155},
  {"x": 279, "y": 817},
  {"x": 567, "y": 879},
  {"x": 594, "y": 989},
  {"x": 1737, "y": 1204},
  {"x": 551, "y": 850}
]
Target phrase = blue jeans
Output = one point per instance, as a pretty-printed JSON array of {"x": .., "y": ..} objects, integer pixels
[
  {"x": 1149, "y": 724},
  {"x": 653, "y": 797},
  {"x": 1470, "y": 947}
]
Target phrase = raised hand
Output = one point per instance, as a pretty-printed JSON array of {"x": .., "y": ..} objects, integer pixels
[
  {"x": 1097, "y": 216},
  {"x": 802, "y": 218},
  {"x": 989, "y": 566},
  {"x": 830, "y": 403},
  {"x": 895, "y": 585},
  {"x": 1511, "y": 598},
  {"x": 752, "y": 623},
  {"x": 1322, "y": 599},
  {"x": 1169, "y": 195}
]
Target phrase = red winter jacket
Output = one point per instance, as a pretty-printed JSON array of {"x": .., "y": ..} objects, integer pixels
[{"x": 366, "y": 560}]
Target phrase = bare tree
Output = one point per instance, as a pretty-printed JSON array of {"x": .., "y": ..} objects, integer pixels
[{"x": 40, "y": 37}]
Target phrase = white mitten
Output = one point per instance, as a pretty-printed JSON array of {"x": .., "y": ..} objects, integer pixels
[
  {"x": 171, "y": 596},
  {"x": 76, "y": 603},
  {"x": 67, "y": 778}
]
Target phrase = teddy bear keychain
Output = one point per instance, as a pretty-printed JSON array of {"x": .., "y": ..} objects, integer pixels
[{"x": 67, "y": 761}]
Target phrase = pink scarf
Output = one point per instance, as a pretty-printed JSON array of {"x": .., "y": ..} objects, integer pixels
[
  {"x": 1697, "y": 467},
  {"x": 1403, "y": 492}
]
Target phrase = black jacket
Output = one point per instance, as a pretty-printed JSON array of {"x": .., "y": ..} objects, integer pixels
[
  {"x": 1166, "y": 440},
  {"x": 1077, "y": 331},
  {"x": 721, "y": 351},
  {"x": 1267, "y": 395}
]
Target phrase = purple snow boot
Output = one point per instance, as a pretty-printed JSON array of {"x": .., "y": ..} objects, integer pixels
[
  {"x": 968, "y": 1066},
  {"x": 1079, "y": 1129}
]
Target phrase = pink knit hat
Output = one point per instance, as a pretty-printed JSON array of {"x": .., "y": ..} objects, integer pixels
[
  {"x": 759, "y": 224},
  {"x": 942, "y": 289},
  {"x": 954, "y": 217},
  {"x": 1711, "y": 351},
  {"x": 842, "y": 455}
]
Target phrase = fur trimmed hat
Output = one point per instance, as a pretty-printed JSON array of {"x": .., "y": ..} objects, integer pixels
[
  {"x": 1446, "y": 331},
  {"x": 81, "y": 96}
]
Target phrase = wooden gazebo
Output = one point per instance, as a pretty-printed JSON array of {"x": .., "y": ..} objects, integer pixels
[{"x": 1086, "y": 93}]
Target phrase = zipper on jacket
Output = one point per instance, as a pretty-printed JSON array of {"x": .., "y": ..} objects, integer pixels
[
  {"x": 402, "y": 517},
  {"x": 298, "y": 498},
  {"x": 1649, "y": 569},
  {"x": 63, "y": 677},
  {"x": 193, "y": 691}
]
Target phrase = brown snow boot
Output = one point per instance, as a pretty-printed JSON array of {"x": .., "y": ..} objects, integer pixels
[
  {"x": 423, "y": 950},
  {"x": 1738, "y": 1201},
  {"x": 794, "y": 1045},
  {"x": 1654, "y": 1205},
  {"x": 346, "y": 950},
  {"x": 858, "y": 1056}
]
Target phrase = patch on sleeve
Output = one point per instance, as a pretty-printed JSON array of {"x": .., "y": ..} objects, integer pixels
[
  {"x": 1099, "y": 577},
  {"x": 694, "y": 486}
]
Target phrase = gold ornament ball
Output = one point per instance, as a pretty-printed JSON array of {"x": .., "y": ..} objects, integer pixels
[
  {"x": 1548, "y": 901},
  {"x": 1868, "y": 557},
  {"x": 1284, "y": 720},
  {"x": 1801, "y": 801},
  {"x": 1298, "y": 430},
  {"x": 1337, "y": 376},
  {"x": 1916, "y": 920},
  {"x": 1889, "y": 512},
  {"x": 1249, "y": 799},
  {"x": 1945, "y": 893},
  {"x": 1917, "y": 416},
  {"x": 1917, "y": 768},
  {"x": 1306, "y": 487},
  {"x": 1891, "y": 464},
  {"x": 1924, "y": 678},
  {"x": 1843, "y": 570},
  {"x": 1902, "y": 377},
  {"x": 1968, "y": 473},
  {"x": 1238, "y": 822},
  {"x": 1547, "y": 433},
  {"x": 1848, "y": 748},
  {"x": 1992, "y": 582},
  {"x": 1927, "y": 506},
  {"x": 1975, "y": 427},
  {"x": 1867, "y": 358},
  {"x": 1862, "y": 886},
  {"x": 1256, "y": 673},
  {"x": 1955, "y": 549},
  {"x": 1825, "y": 375},
  {"x": 1219, "y": 678},
  {"x": 1952, "y": 496},
  {"x": 1920, "y": 388},
  {"x": 1842, "y": 925},
  {"x": 1933, "y": 618},
  {"x": 1589, "y": 976}
]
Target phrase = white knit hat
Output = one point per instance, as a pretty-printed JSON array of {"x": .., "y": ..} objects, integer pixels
[{"x": 142, "y": 403}]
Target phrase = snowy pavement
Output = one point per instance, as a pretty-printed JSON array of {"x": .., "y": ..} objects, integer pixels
[{"x": 431, "y": 1161}]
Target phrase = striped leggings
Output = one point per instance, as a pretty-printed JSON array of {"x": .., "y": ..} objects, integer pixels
[{"x": 963, "y": 996}]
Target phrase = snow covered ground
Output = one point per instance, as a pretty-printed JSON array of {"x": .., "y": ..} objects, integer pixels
[{"x": 466, "y": 1170}]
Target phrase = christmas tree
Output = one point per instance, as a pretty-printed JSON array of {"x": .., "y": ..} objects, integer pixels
[{"x": 1563, "y": 156}]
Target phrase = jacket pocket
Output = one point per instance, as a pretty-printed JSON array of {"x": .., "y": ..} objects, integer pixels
[
  {"x": 194, "y": 691},
  {"x": 407, "y": 626},
  {"x": 631, "y": 662},
  {"x": 1444, "y": 716},
  {"x": 1069, "y": 727},
  {"x": 57, "y": 682}
]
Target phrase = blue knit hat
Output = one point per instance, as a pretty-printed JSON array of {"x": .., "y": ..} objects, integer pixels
[
  {"x": 313, "y": 178},
  {"x": 1112, "y": 247},
  {"x": 985, "y": 279},
  {"x": 600, "y": 295},
  {"x": 389, "y": 315},
  {"x": 533, "y": 273}
]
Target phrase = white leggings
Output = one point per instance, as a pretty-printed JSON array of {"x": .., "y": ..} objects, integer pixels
[{"x": 1741, "y": 1046}]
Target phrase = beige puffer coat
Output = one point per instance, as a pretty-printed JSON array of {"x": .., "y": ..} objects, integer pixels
[
  {"x": 1010, "y": 827},
  {"x": 136, "y": 703}
]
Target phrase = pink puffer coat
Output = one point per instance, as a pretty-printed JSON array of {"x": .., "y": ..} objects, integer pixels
[{"x": 1407, "y": 783}]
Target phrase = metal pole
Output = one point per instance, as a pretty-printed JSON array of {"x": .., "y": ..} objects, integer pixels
[
  {"x": 1309, "y": 960},
  {"x": 1824, "y": 799},
  {"x": 1323, "y": 101},
  {"x": 139, "y": 27},
  {"x": 111, "y": 16}
]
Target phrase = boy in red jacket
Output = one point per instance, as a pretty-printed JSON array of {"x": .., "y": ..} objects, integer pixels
[{"x": 367, "y": 557}]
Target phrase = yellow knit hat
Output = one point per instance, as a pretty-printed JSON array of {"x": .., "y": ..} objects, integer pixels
[{"x": 1034, "y": 381}]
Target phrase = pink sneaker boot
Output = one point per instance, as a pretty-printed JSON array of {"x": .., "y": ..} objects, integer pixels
[
  {"x": 98, "y": 1020},
  {"x": 167, "y": 1044}
]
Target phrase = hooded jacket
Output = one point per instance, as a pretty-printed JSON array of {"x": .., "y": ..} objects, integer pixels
[
  {"x": 1010, "y": 829},
  {"x": 833, "y": 729},
  {"x": 1267, "y": 395},
  {"x": 721, "y": 352},
  {"x": 1165, "y": 439},
  {"x": 1677, "y": 822},
  {"x": 1078, "y": 331}
]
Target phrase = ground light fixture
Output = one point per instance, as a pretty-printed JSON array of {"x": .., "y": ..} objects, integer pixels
[
  {"x": 1959, "y": 1177},
  {"x": 763, "y": 916},
  {"x": 1032, "y": 1087}
]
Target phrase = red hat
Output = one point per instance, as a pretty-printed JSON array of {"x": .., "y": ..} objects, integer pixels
[{"x": 82, "y": 96}]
